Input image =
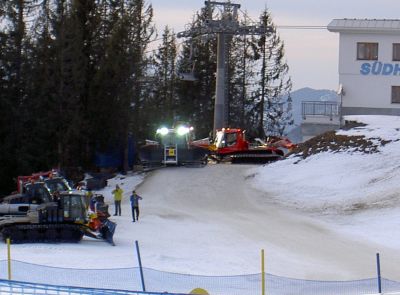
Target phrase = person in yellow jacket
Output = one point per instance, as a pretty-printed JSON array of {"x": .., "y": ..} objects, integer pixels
[{"x": 117, "y": 199}]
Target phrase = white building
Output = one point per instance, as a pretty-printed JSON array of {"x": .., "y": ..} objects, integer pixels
[{"x": 369, "y": 65}]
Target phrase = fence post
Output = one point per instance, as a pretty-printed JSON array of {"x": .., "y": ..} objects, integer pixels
[
  {"x": 9, "y": 258},
  {"x": 262, "y": 273},
  {"x": 378, "y": 269},
  {"x": 140, "y": 266}
]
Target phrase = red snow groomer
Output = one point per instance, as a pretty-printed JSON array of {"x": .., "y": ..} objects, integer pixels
[
  {"x": 52, "y": 180},
  {"x": 230, "y": 145}
]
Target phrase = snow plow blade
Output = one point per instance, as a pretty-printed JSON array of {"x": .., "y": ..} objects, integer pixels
[
  {"x": 151, "y": 156},
  {"x": 106, "y": 232},
  {"x": 155, "y": 156}
]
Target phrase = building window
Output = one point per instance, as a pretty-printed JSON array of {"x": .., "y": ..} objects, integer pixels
[
  {"x": 367, "y": 51},
  {"x": 395, "y": 94},
  {"x": 396, "y": 51}
]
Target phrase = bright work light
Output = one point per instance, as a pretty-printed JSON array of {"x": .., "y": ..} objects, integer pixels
[
  {"x": 182, "y": 130},
  {"x": 163, "y": 131}
]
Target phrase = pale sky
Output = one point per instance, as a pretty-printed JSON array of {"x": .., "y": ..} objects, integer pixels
[{"x": 312, "y": 55}]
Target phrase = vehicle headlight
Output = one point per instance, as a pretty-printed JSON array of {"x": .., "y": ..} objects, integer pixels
[
  {"x": 182, "y": 130},
  {"x": 163, "y": 131}
]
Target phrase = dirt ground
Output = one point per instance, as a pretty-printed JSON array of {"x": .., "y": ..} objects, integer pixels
[{"x": 330, "y": 141}]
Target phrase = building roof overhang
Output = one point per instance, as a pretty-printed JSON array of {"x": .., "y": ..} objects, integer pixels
[{"x": 370, "y": 26}]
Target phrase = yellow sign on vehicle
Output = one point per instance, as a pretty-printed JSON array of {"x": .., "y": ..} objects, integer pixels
[{"x": 171, "y": 152}]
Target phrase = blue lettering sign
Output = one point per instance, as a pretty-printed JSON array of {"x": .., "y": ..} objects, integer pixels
[
  {"x": 365, "y": 69},
  {"x": 376, "y": 68},
  {"x": 387, "y": 69},
  {"x": 379, "y": 68},
  {"x": 396, "y": 70}
]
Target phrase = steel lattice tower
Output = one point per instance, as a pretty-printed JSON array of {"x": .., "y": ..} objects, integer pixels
[{"x": 224, "y": 25}]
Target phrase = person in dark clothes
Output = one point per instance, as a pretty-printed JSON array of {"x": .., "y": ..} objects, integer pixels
[{"x": 135, "y": 205}]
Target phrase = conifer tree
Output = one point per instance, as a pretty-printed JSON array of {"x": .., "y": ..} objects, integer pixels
[
  {"x": 242, "y": 71},
  {"x": 196, "y": 98},
  {"x": 117, "y": 92},
  {"x": 39, "y": 107},
  {"x": 164, "y": 98},
  {"x": 272, "y": 111},
  {"x": 7, "y": 111},
  {"x": 13, "y": 60},
  {"x": 141, "y": 31},
  {"x": 74, "y": 29}
]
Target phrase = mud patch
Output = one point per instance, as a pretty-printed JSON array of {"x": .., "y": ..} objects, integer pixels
[
  {"x": 352, "y": 124},
  {"x": 250, "y": 176},
  {"x": 357, "y": 207}
]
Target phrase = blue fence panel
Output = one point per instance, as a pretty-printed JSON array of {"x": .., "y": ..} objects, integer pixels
[
  {"x": 128, "y": 280},
  {"x": 15, "y": 287}
]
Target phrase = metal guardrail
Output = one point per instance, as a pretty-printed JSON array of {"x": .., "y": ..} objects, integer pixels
[{"x": 320, "y": 108}]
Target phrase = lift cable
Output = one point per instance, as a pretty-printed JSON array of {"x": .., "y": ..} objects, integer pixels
[{"x": 287, "y": 27}]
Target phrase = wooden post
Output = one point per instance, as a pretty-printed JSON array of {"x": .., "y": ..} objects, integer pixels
[
  {"x": 262, "y": 273},
  {"x": 9, "y": 258}
]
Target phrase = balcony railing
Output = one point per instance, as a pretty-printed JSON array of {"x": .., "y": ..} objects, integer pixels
[{"x": 320, "y": 108}]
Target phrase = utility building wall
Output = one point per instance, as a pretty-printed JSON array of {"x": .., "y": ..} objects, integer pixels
[{"x": 369, "y": 66}]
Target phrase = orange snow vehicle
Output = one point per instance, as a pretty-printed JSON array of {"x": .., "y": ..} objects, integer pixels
[{"x": 230, "y": 145}]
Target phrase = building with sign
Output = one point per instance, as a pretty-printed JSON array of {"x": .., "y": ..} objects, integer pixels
[{"x": 369, "y": 66}]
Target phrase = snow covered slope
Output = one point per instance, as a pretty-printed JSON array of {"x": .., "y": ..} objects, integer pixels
[
  {"x": 322, "y": 217},
  {"x": 355, "y": 193}
]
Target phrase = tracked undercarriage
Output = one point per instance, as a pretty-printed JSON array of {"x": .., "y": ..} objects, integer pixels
[{"x": 42, "y": 233}]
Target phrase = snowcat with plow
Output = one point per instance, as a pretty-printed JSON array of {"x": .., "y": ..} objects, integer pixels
[
  {"x": 230, "y": 145},
  {"x": 172, "y": 147},
  {"x": 65, "y": 220}
]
